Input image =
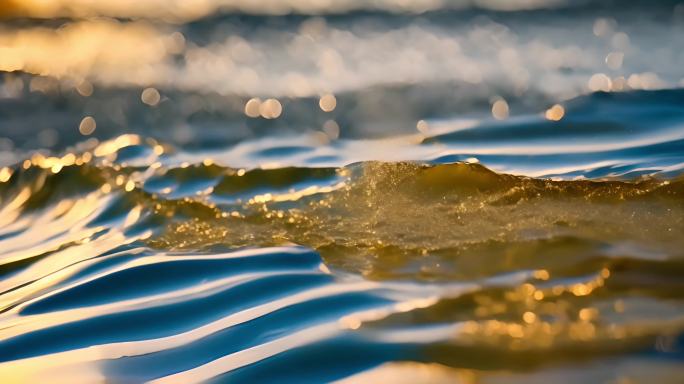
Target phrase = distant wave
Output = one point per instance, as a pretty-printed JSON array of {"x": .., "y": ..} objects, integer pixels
[
  {"x": 184, "y": 11},
  {"x": 341, "y": 191},
  {"x": 299, "y": 56}
]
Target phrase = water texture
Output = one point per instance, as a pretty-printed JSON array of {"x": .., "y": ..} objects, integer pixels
[{"x": 304, "y": 191}]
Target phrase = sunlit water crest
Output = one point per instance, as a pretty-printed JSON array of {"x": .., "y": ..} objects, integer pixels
[{"x": 301, "y": 191}]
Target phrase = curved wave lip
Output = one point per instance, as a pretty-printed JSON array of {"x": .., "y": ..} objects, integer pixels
[
  {"x": 134, "y": 260},
  {"x": 153, "y": 286},
  {"x": 313, "y": 191}
]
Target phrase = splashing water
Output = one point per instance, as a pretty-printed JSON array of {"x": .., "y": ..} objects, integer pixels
[{"x": 287, "y": 192}]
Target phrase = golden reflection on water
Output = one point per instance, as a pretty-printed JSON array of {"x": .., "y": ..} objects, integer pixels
[
  {"x": 87, "y": 126},
  {"x": 555, "y": 113},
  {"x": 270, "y": 109},
  {"x": 150, "y": 96},
  {"x": 88, "y": 52},
  {"x": 158, "y": 9},
  {"x": 500, "y": 109},
  {"x": 5, "y": 174},
  {"x": 485, "y": 225},
  {"x": 631, "y": 372},
  {"x": 546, "y": 313},
  {"x": 374, "y": 239},
  {"x": 77, "y": 50},
  {"x": 327, "y": 102},
  {"x": 370, "y": 221}
]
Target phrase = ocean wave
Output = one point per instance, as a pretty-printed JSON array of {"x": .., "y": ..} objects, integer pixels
[
  {"x": 488, "y": 55},
  {"x": 315, "y": 191},
  {"x": 124, "y": 262},
  {"x": 183, "y": 12}
]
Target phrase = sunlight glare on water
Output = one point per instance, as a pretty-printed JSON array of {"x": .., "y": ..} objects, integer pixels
[{"x": 349, "y": 191}]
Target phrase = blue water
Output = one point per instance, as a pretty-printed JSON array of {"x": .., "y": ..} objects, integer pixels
[{"x": 494, "y": 193}]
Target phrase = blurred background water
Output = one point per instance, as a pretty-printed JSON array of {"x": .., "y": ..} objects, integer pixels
[{"x": 363, "y": 191}]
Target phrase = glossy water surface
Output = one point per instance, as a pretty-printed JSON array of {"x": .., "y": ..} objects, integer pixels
[{"x": 409, "y": 207}]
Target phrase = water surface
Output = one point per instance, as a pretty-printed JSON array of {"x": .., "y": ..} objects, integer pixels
[{"x": 292, "y": 192}]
